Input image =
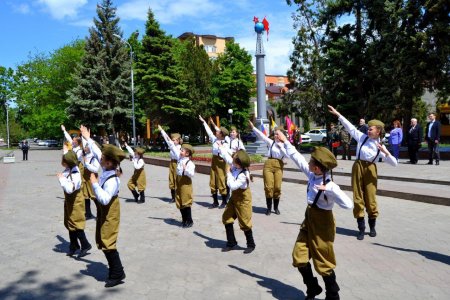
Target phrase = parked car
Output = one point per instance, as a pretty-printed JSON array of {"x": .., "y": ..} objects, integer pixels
[
  {"x": 51, "y": 143},
  {"x": 41, "y": 142},
  {"x": 249, "y": 137},
  {"x": 305, "y": 139},
  {"x": 317, "y": 135}
]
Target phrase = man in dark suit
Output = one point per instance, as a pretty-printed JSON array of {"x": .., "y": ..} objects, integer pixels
[
  {"x": 414, "y": 138},
  {"x": 432, "y": 136}
]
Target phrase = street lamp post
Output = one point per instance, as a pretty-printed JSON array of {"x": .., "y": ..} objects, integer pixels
[
  {"x": 7, "y": 122},
  {"x": 230, "y": 112},
  {"x": 132, "y": 86}
]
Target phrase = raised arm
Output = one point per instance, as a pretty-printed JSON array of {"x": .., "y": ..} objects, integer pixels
[
  {"x": 214, "y": 124},
  {"x": 66, "y": 134},
  {"x": 332, "y": 190},
  {"x": 225, "y": 154},
  {"x": 352, "y": 130},
  {"x": 260, "y": 134},
  {"x": 86, "y": 134},
  {"x": 129, "y": 149},
  {"x": 211, "y": 135},
  {"x": 293, "y": 154}
]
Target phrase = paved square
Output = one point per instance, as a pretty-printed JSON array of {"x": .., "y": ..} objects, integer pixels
[{"x": 409, "y": 259}]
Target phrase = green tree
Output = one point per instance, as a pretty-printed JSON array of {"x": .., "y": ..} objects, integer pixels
[
  {"x": 6, "y": 82},
  {"x": 232, "y": 84},
  {"x": 161, "y": 89},
  {"x": 102, "y": 97}
]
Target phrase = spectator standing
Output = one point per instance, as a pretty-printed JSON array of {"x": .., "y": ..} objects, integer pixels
[
  {"x": 395, "y": 138},
  {"x": 432, "y": 136},
  {"x": 363, "y": 127},
  {"x": 346, "y": 139},
  {"x": 414, "y": 139},
  {"x": 25, "y": 148},
  {"x": 333, "y": 139}
]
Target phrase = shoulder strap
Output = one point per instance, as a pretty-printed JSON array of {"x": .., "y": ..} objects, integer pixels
[
  {"x": 186, "y": 165},
  {"x": 114, "y": 175},
  {"x": 270, "y": 149},
  {"x": 365, "y": 140},
  {"x": 318, "y": 194}
]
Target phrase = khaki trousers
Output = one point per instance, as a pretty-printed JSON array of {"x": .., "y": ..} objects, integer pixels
[
  {"x": 173, "y": 174},
  {"x": 364, "y": 184},
  {"x": 183, "y": 196},
  {"x": 107, "y": 227},
  {"x": 239, "y": 207},
  {"x": 138, "y": 180},
  {"x": 217, "y": 177},
  {"x": 273, "y": 175}
]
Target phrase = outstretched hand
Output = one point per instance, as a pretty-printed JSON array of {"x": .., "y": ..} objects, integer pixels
[
  {"x": 251, "y": 124},
  {"x": 160, "y": 128},
  {"x": 383, "y": 149},
  {"x": 94, "y": 178},
  {"x": 85, "y": 132},
  {"x": 200, "y": 118},
  {"x": 332, "y": 110},
  {"x": 63, "y": 128}
]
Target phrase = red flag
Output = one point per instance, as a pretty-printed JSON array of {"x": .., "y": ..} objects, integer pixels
[
  {"x": 263, "y": 129},
  {"x": 266, "y": 26},
  {"x": 255, "y": 19}
]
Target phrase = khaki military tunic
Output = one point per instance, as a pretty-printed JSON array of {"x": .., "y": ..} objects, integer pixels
[
  {"x": 240, "y": 207},
  {"x": 315, "y": 241}
]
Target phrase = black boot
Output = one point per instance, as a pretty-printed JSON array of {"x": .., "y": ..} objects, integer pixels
[
  {"x": 231, "y": 239},
  {"x": 224, "y": 201},
  {"x": 276, "y": 201},
  {"x": 85, "y": 246},
  {"x": 312, "y": 285},
  {"x": 269, "y": 206},
  {"x": 172, "y": 194},
  {"x": 372, "y": 232},
  {"x": 216, "y": 202},
  {"x": 183, "y": 217},
  {"x": 88, "y": 214},
  {"x": 74, "y": 246},
  {"x": 250, "y": 242},
  {"x": 189, "y": 221},
  {"x": 361, "y": 227},
  {"x": 117, "y": 275},
  {"x": 331, "y": 287},
  {"x": 135, "y": 195},
  {"x": 142, "y": 197}
]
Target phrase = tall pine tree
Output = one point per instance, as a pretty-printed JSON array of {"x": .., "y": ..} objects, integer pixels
[
  {"x": 102, "y": 98},
  {"x": 161, "y": 89}
]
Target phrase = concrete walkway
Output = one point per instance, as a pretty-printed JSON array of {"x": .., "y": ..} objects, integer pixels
[{"x": 409, "y": 259}]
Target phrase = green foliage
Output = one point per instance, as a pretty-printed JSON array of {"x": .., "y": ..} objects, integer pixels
[
  {"x": 232, "y": 84},
  {"x": 16, "y": 133},
  {"x": 6, "y": 82},
  {"x": 102, "y": 97}
]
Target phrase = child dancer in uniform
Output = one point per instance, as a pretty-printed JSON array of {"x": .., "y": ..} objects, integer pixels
[
  {"x": 273, "y": 169},
  {"x": 91, "y": 164},
  {"x": 240, "y": 204},
  {"x": 185, "y": 172},
  {"x": 138, "y": 179},
  {"x": 106, "y": 189},
  {"x": 364, "y": 170},
  {"x": 74, "y": 219},
  {"x": 318, "y": 230},
  {"x": 175, "y": 139},
  {"x": 218, "y": 165}
]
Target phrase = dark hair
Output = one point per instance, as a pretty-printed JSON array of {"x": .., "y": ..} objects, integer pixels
[
  {"x": 322, "y": 168},
  {"x": 78, "y": 141}
]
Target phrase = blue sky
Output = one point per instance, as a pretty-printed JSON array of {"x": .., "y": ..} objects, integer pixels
[{"x": 33, "y": 26}]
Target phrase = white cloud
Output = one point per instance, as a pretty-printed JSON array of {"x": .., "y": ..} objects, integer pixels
[
  {"x": 22, "y": 8},
  {"x": 59, "y": 9},
  {"x": 82, "y": 23},
  {"x": 168, "y": 12}
]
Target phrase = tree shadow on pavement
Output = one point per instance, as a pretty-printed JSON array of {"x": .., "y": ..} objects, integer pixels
[
  {"x": 439, "y": 257},
  {"x": 95, "y": 269},
  {"x": 63, "y": 246},
  {"x": 278, "y": 289},
  {"x": 168, "y": 221},
  {"x": 29, "y": 287}
]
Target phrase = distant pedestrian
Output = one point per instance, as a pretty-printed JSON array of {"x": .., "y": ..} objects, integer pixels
[
  {"x": 317, "y": 232},
  {"x": 396, "y": 138},
  {"x": 363, "y": 126},
  {"x": 433, "y": 136},
  {"x": 364, "y": 171},
  {"x": 333, "y": 139},
  {"x": 414, "y": 139},
  {"x": 25, "y": 147}
]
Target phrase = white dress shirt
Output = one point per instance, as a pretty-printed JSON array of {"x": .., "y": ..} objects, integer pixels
[
  {"x": 174, "y": 149},
  {"x": 138, "y": 162},
  {"x": 71, "y": 183},
  {"x": 276, "y": 150},
  {"x": 368, "y": 151},
  {"x": 110, "y": 187},
  {"x": 214, "y": 140},
  {"x": 188, "y": 165},
  {"x": 91, "y": 163},
  {"x": 237, "y": 178},
  {"x": 332, "y": 193}
]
